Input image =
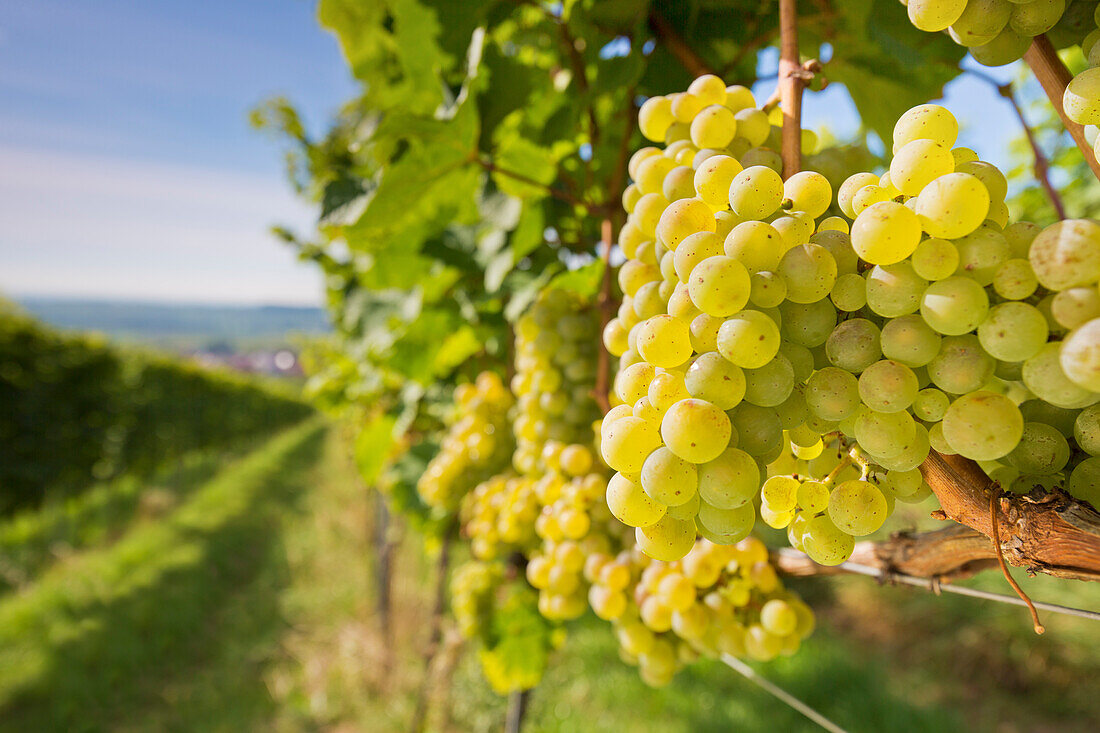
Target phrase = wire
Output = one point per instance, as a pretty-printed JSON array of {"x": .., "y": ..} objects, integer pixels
[
  {"x": 936, "y": 587},
  {"x": 750, "y": 674}
]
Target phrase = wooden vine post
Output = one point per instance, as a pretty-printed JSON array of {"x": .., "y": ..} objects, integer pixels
[
  {"x": 791, "y": 82},
  {"x": 1053, "y": 76}
]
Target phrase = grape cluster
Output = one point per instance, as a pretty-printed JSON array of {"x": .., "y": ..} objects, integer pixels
[
  {"x": 478, "y": 443},
  {"x": 718, "y": 599},
  {"x": 998, "y": 32},
  {"x": 773, "y": 357}
]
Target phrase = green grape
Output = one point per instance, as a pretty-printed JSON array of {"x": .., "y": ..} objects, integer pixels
[
  {"x": 688, "y": 509},
  {"x": 753, "y": 125},
  {"x": 679, "y": 183},
  {"x": 954, "y": 306},
  {"x": 802, "y": 361},
  {"x": 1006, "y": 47},
  {"x": 756, "y": 245},
  {"x": 749, "y": 339},
  {"x": 685, "y": 106},
  {"x": 724, "y": 222},
  {"x": 780, "y": 492},
  {"x": 695, "y": 430},
  {"x": 713, "y": 127},
  {"x": 709, "y": 88},
  {"x": 1080, "y": 356},
  {"x": 1044, "y": 375},
  {"x": 683, "y": 218},
  {"x": 812, "y": 496},
  {"x": 930, "y": 404},
  {"x": 909, "y": 340},
  {"x": 627, "y": 442},
  {"x": 952, "y": 205},
  {"x": 714, "y": 378},
  {"x": 894, "y": 290},
  {"x": 667, "y": 539},
  {"x": 854, "y": 345},
  {"x": 1081, "y": 99},
  {"x": 647, "y": 212},
  {"x": 1015, "y": 280},
  {"x": 919, "y": 162},
  {"x": 911, "y": 455},
  {"x": 665, "y": 341},
  {"x": 904, "y": 483},
  {"x": 730, "y": 480},
  {"x": 980, "y": 22},
  {"x": 632, "y": 383},
  {"x": 679, "y": 303},
  {"x": 935, "y": 15},
  {"x": 963, "y": 155},
  {"x": 630, "y": 504},
  {"x": 868, "y": 196},
  {"x": 809, "y": 192},
  {"x": 1084, "y": 481},
  {"x": 808, "y": 324},
  {"x": 885, "y": 434},
  {"x": 665, "y": 389},
  {"x": 771, "y": 384},
  {"x": 981, "y": 253},
  {"x": 825, "y": 543},
  {"x": 639, "y": 156},
  {"x": 1075, "y": 307},
  {"x": 713, "y": 178},
  {"x": 794, "y": 230},
  {"x": 1013, "y": 331},
  {"x": 655, "y": 117},
  {"x": 849, "y": 292},
  {"x": 1020, "y": 236},
  {"x": 647, "y": 302},
  {"x": 633, "y": 275},
  {"x": 669, "y": 479},
  {"x": 857, "y": 507},
  {"x": 1086, "y": 430},
  {"x": 1042, "y": 450},
  {"x": 809, "y": 272},
  {"x": 704, "y": 332},
  {"x": 926, "y": 122},
  {"x": 759, "y": 432},
  {"x": 733, "y": 525},
  {"x": 851, "y": 186},
  {"x": 834, "y": 224},
  {"x": 756, "y": 192},
  {"x": 1036, "y": 17},
  {"x": 767, "y": 290},
  {"x": 989, "y": 175},
  {"x": 935, "y": 259},
  {"x": 839, "y": 245},
  {"x": 983, "y": 425},
  {"x": 652, "y": 172},
  {"x": 885, "y": 233},
  {"x": 888, "y": 386},
  {"x": 832, "y": 393},
  {"x": 739, "y": 97},
  {"x": 1062, "y": 418},
  {"x": 631, "y": 196},
  {"x": 719, "y": 286},
  {"x": 961, "y": 366}
]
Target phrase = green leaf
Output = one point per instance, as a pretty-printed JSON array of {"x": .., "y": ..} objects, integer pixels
[
  {"x": 584, "y": 280},
  {"x": 373, "y": 445},
  {"x": 518, "y": 155}
]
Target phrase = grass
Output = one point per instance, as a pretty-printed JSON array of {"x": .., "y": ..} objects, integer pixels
[{"x": 248, "y": 605}]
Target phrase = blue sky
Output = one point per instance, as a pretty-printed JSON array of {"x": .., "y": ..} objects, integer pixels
[{"x": 128, "y": 169}]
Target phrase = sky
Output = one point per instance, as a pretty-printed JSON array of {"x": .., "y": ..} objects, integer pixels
[{"x": 128, "y": 169}]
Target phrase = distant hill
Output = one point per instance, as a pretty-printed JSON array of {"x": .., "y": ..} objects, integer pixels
[{"x": 180, "y": 325}]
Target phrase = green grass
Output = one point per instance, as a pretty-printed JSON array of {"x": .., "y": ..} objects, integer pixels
[{"x": 249, "y": 606}]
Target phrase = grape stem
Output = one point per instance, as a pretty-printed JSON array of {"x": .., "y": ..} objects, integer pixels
[
  {"x": 1053, "y": 76},
  {"x": 486, "y": 163},
  {"x": 995, "y": 522},
  {"x": 844, "y": 463},
  {"x": 1042, "y": 164}
]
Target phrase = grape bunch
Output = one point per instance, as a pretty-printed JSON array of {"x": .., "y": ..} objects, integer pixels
[
  {"x": 998, "y": 32},
  {"x": 477, "y": 445},
  {"x": 718, "y": 599},
  {"x": 774, "y": 356}
]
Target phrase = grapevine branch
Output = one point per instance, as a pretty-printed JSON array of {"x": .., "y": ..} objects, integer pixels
[
  {"x": 790, "y": 87},
  {"x": 1049, "y": 533},
  {"x": 565, "y": 196},
  {"x": 1053, "y": 76},
  {"x": 677, "y": 46},
  {"x": 1042, "y": 165}
]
